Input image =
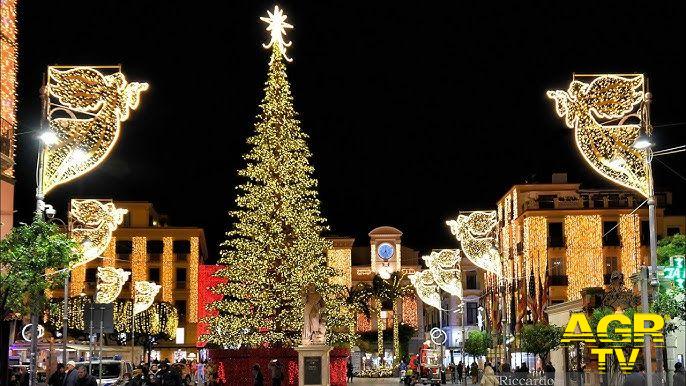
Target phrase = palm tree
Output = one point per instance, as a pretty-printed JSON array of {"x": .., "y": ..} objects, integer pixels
[
  {"x": 379, "y": 291},
  {"x": 397, "y": 287},
  {"x": 357, "y": 301}
]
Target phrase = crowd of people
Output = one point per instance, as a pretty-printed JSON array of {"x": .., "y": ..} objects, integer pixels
[{"x": 156, "y": 373}]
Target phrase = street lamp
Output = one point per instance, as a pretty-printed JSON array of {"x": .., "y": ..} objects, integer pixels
[{"x": 643, "y": 142}]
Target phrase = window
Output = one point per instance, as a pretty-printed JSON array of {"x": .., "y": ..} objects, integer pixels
[
  {"x": 557, "y": 266},
  {"x": 472, "y": 313},
  {"x": 154, "y": 274},
  {"x": 154, "y": 246},
  {"x": 472, "y": 282},
  {"x": 555, "y": 235},
  {"x": 181, "y": 308},
  {"x": 123, "y": 249},
  {"x": 126, "y": 222},
  {"x": 610, "y": 234},
  {"x": 611, "y": 264},
  {"x": 181, "y": 249},
  {"x": 546, "y": 201},
  {"x": 645, "y": 232},
  {"x": 91, "y": 275},
  {"x": 181, "y": 278},
  {"x": 671, "y": 231}
]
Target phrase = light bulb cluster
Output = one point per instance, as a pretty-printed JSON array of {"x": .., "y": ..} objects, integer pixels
[
  {"x": 409, "y": 305},
  {"x": 340, "y": 260},
  {"x": 167, "y": 269},
  {"x": 139, "y": 259},
  {"x": 144, "y": 295},
  {"x": 193, "y": 268},
  {"x": 584, "y": 253},
  {"x": 161, "y": 318},
  {"x": 630, "y": 234},
  {"x": 593, "y": 110},
  {"x": 110, "y": 282},
  {"x": 536, "y": 256},
  {"x": 85, "y": 113}
]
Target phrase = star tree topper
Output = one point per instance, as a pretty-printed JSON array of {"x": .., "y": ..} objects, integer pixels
[{"x": 277, "y": 27}]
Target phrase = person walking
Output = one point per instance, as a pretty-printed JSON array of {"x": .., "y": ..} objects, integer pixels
[
  {"x": 83, "y": 378},
  {"x": 460, "y": 369},
  {"x": 70, "y": 374},
  {"x": 276, "y": 372},
  {"x": 57, "y": 378},
  {"x": 349, "y": 371},
  {"x": 678, "y": 378},
  {"x": 636, "y": 378},
  {"x": 257, "y": 377},
  {"x": 474, "y": 372}
]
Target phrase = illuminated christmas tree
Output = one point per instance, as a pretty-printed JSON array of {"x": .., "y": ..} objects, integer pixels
[{"x": 275, "y": 252}]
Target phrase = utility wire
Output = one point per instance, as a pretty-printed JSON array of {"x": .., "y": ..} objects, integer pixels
[{"x": 670, "y": 169}]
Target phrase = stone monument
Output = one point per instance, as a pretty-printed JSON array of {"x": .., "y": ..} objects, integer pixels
[{"x": 313, "y": 353}]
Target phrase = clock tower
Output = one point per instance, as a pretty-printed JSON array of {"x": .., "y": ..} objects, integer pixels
[{"x": 385, "y": 250}]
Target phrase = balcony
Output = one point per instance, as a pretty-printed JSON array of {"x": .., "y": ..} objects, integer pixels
[
  {"x": 181, "y": 256},
  {"x": 154, "y": 257},
  {"x": 180, "y": 285},
  {"x": 124, "y": 256},
  {"x": 558, "y": 280}
]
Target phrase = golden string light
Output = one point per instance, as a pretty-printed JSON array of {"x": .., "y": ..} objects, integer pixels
[
  {"x": 363, "y": 323},
  {"x": 277, "y": 27},
  {"x": 536, "y": 251},
  {"x": 144, "y": 296},
  {"x": 85, "y": 113},
  {"x": 91, "y": 226},
  {"x": 109, "y": 258},
  {"x": 477, "y": 235},
  {"x": 409, "y": 306},
  {"x": 139, "y": 259},
  {"x": 584, "y": 253},
  {"x": 193, "y": 265},
  {"x": 445, "y": 269},
  {"x": 167, "y": 269},
  {"x": 594, "y": 110},
  {"x": 110, "y": 282},
  {"x": 340, "y": 260},
  {"x": 77, "y": 282},
  {"x": 8, "y": 82},
  {"x": 629, "y": 231}
]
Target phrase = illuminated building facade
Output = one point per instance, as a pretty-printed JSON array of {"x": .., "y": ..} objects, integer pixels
[
  {"x": 8, "y": 109},
  {"x": 151, "y": 250},
  {"x": 557, "y": 239}
]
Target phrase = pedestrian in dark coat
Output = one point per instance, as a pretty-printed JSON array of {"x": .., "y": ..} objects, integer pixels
[
  {"x": 257, "y": 377},
  {"x": 57, "y": 378},
  {"x": 678, "y": 379},
  {"x": 85, "y": 379}
]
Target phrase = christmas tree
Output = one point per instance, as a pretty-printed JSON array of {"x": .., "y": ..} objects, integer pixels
[{"x": 275, "y": 252}]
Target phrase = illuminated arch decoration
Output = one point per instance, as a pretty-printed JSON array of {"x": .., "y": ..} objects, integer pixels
[
  {"x": 85, "y": 111},
  {"x": 445, "y": 269},
  {"x": 426, "y": 287},
  {"x": 144, "y": 296},
  {"x": 92, "y": 223},
  {"x": 110, "y": 282},
  {"x": 476, "y": 233},
  {"x": 596, "y": 111}
]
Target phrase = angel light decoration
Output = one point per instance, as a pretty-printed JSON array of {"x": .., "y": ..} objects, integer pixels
[
  {"x": 598, "y": 111},
  {"x": 110, "y": 282},
  {"x": 85, "y": 109},
  {"x": 92, "y": 223},
  {"x": 445, "y": 269},
  {"x": 144, "y": 296},
  {"x": 477, "y": 235}
]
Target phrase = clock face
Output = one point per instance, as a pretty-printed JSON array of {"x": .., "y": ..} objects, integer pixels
[{"x": 386, "y": 251}]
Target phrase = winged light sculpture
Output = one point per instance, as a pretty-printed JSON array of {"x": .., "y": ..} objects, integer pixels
[
  {"x": 596, "y": 111},
  {"x": 445, "y": 268},
  {"x": 110, "y": 282},
  {"x": 426, "y": 287},
  {"x": 144, "y": 295},
  {"x": 85, "y": 112},
  {"x": 92, "y": 227},
  {"x": 476, "y": 233}
]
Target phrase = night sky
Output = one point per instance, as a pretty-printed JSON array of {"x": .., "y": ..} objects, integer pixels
[{"x": 415, "y": 111}]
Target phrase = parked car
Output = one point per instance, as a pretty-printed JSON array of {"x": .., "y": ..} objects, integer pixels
[{"x": 112, "y": 370}]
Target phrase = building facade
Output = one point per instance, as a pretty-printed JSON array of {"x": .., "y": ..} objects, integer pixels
[
  {"x": 557, "y": 239},
  {"x": 151, "y": 250}
]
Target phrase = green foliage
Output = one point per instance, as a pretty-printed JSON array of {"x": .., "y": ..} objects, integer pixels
[
  {"x": 599, "y": 313},
  {"x": 540, "y": 339},
  {"x": 478, "y": 343},
  {"x": 25, "y": 255},
  {"x": 670, "y": 303},
  {"x": 670, "y": 246}
]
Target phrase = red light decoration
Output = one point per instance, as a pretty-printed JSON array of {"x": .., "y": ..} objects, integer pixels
[
  {"x": 206, "y": 281},
  {"x": 221, "y": 374}
]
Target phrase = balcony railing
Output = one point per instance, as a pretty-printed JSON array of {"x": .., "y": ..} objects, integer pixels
[
  {"x": 180, "y": 285},
  {"x": 181, "y": 256}
]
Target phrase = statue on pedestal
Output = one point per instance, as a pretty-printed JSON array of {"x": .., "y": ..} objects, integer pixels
[{"x": 314, "y": 329}]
